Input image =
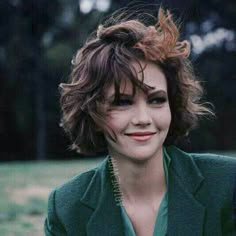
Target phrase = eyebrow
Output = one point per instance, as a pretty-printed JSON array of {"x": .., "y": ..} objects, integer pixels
[
  {"x": 157, "y": 92},
  {"x": 112, "y": 97},
  {"x": 152, "y": 94}
]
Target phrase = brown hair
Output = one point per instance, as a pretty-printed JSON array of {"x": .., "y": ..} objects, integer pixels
[{"x": 106, "y": 59}]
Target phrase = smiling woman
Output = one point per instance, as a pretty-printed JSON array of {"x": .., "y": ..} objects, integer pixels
[
  {"x": 140, "y": 122},
  {"x": 132, "y": 93}
]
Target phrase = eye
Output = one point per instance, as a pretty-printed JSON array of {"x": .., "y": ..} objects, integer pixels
[
  {"x": 158, "y": 100},
  {"x": 123, "y": 102}
]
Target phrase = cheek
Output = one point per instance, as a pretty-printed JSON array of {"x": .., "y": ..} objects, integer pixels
[
  {"x": 114, "y": 128},
  {"x": 164, "y": 118},
  {"x": 117, "y": 120},
  {"x": 168, "y": 116}
]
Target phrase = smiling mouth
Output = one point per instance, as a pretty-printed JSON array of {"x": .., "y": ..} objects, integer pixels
[{"x": 141, "y": 136}]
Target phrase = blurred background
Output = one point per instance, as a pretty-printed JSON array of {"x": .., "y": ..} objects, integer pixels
[{"x": 38, "y": 39}]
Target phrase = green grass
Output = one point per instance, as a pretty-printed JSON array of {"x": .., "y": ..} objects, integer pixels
[{"x": 24, "y": 189}]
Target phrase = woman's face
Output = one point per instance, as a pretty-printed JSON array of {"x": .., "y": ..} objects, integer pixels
[{"x": 141, "y": 123}]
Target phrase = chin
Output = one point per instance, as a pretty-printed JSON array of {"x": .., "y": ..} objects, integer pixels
[{"x": 142, "y": 155}]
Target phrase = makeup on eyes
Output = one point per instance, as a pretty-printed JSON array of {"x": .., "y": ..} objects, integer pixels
[
  {"x": 122, "y": 97},
  {"x": 156, "y": 97},
  {"x": 159, "y": 97}
]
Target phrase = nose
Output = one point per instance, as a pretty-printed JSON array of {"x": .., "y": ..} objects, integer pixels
[{"x": 141, "y": 115}]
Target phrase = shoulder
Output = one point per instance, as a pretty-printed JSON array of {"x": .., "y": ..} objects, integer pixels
[
  {"x": 73, "y": 189},
  {"x": 65, "y": 197},
  {"x": 77, "y": 184},
  {"x": 66, "y": 213},
  {"x": 218, "y": 170},
  {"x": 66, "y": 209},
  {"x": 209, "y": 165},
  {"x": 214, "y": 161},
  {"x": 203, "y": 159},
  {"x": 80, "y": 182}
]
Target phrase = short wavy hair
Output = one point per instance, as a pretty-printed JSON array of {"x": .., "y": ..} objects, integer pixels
[{"x": 107, "y": 58}]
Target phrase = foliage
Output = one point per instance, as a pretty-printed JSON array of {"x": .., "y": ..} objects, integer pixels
[{"x": 37, "y": 42}]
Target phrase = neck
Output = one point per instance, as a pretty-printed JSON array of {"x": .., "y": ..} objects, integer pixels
[{"x": 140, "y": 181}]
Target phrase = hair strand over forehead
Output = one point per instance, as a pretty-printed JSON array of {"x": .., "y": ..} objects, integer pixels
[{"x": 108, "y": 57}]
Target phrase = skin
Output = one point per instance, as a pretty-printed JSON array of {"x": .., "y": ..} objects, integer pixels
[{"x": 140, "y": 162}]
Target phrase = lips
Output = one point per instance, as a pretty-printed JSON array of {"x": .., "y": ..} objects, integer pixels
[
  {"x": 140, "y": 133},
  {"x": 141, "y": 136}
]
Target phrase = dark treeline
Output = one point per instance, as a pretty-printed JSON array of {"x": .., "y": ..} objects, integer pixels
[{"x": 39, "y": 38}]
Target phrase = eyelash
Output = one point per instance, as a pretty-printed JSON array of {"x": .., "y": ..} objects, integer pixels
[
  {"x": 118, "y": 103},
  {"x": 160, "y": 100},
  {"x": 128, "y": 102}
]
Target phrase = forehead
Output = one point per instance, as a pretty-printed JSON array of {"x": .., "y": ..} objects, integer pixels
[{"x": 152, "y": 76}]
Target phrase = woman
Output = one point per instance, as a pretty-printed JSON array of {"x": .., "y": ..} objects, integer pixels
[{"x": 132, "y": 92}]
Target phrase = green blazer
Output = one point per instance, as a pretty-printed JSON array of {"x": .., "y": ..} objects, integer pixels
[{"x": 200, "y": 199}]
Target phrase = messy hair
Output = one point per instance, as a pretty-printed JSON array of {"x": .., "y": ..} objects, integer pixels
[{"x": 107, "y": 58}]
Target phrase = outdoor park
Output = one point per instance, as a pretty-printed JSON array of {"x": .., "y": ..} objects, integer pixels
[
  {"x": 25, "y": 188},
  {"x": 24, "y": 192},
  {"x": 38, "y": 40}
]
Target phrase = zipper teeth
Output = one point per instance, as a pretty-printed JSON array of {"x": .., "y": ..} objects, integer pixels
[{"x": 114, "y": 175}]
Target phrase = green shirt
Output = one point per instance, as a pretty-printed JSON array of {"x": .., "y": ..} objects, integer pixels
[{"x": 161, "y": 219}]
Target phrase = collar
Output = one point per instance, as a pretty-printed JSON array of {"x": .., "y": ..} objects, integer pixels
[
  {"x": 106, "y": 217},
  {"x": 185, "y": 213},
  {"x": 185, "y": 169}
]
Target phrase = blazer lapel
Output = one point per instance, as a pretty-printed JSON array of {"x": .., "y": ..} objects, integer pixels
[
  {"x": 106, "y": 218},
  {"x": 185, "y": 213}
]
